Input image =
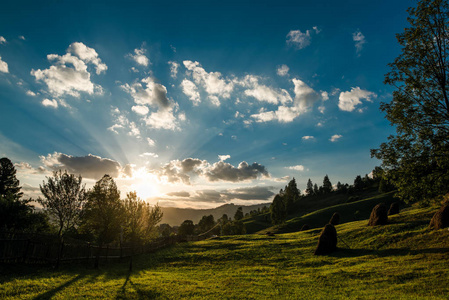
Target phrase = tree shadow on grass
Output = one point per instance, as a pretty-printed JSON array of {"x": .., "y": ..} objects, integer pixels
[
  {"x": 53, "y": 292},
  {"x": 346, "y": 252},
  {"x": 142, "y": 292}
]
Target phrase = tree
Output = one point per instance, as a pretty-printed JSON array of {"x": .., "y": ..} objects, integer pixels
[
  {"x": 103, "y": 214},
  {"x": 187, "y": 228},
  {"x": 64, "y": 197},
  {"x": 206, "y": 223},
  {"x": 277, "y": 210},
  {"x": 9, "y": 184},
  {"x": 358, "y": 183},
  {"x": 309, "y": 188},
  {"x": 238, "y": 214},
  {"x": 327, "y": 185},
  {"x": 316, "y": 191},
  {"x": 416, "y": 159},
  {"x": 291, "y": 195}
]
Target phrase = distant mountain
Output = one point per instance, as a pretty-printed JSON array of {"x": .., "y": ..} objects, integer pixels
[{"x": 175, "y": 216}]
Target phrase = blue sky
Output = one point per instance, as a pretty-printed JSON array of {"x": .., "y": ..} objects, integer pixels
[{"x": 196, "y": 104}]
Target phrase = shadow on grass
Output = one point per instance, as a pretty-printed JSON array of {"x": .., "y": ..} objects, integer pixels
[
  {"x": 142, "y": 293},
  {"x": 345, "y": 253},
  {"x": 53, "y": 292}
]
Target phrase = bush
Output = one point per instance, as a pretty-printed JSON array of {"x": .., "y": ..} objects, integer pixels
[
  {"x": 328, "y": 241},
  {"x": 379, "y": 215}
]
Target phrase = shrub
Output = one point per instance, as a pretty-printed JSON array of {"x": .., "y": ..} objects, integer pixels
[
  {"x": 328, "y": 241},
  {"x": 379, "y": 215}
]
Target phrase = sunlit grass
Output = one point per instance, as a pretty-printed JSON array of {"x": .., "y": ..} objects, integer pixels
[{"x": 402, "y": 260}]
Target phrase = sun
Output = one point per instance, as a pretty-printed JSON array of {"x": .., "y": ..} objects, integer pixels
[{"x": 145, "y": 184}]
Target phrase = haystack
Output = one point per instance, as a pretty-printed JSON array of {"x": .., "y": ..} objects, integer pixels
[
  {"x": 328, "y": 241},
  {"x": 440, "y": 218},
  {"x": 335, "y": 219},
  {"x": 305, "y": 227},
  {"x": 379, "y": 215},
  {"x": 394, "y": 209}
]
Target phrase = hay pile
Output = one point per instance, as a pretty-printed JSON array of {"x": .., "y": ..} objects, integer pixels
[
  {"x": 328, "y": 241},
  {"x": 394, "y": 209},
  {"x": 379, "y": 215},
  {"x": 440, "y": 218},
  {"x": 335, "y": 220}
]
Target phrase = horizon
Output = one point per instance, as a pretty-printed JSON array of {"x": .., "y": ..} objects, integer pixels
[{"x": 196, "y": 105}]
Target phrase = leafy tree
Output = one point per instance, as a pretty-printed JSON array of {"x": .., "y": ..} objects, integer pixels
[
  {"x": 327, "y": 185},
  {"x": 277, "y": 210},
  {"x": 291, "y": 195},
  {"x": 238, "y": 214},
  {"x": 187, "y": 228},
  {"x": 358, "y": 183},
  {"x": 64, "y": 197},
  {"x": 416, "y": 159},
  {"x": 9, "y": 184},
  {"x": 103, "y": 213},
  {"x": 309, "y": 188},
  {"x": 206, "y": 223}
]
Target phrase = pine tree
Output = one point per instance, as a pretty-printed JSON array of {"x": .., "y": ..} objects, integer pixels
[
  {"x": 277, "y": 210},
  {"x": 327, "y": 185},
  {"x": 9, "y": 184},
  {"x": 309, "y": 188}
]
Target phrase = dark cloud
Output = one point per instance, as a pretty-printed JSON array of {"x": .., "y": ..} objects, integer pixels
[
  {"x": 179, "y": 194},
  {"x": 250, "y": 193},
  {"x": 227, "y": 172},
  {"x": 189, "y": 164},
  {"x": 207, "y": 196},
  {"x": 181, "y": 171},
  {"x": 90, "y": 166}
]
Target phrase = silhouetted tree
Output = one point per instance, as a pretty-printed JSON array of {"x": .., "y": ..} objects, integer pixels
[
  {"x": 187, "y": 228},
  {"x": 358, "y": 183},
  {"x": 64, "y": 197},
  {"x": 238, "y": 214},
  {"x": 416, "y": 159},
  {"x": 309, "y": 188},
  {"x": 9, "y": 184},
  {"x": 327, "y": 185},
  {"x": 291, "y": 195},
  {"x": 316, "y": 190},
  {"x": 278, "y": 210},
  {"x": 206, "y": 223}
]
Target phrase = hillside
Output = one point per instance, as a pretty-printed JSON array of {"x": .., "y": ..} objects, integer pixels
[
  {"x": 401, "y": 260},
  {"x": 175, "y": 216}
]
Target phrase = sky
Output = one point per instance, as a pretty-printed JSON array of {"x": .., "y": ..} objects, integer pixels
[{"x": 196, "y": 103}]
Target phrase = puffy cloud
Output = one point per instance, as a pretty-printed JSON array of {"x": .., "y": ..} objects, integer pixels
[
  {"x": 335, "y": 137},
  {"x": 149, "y": 154},
  {"x": 283, "y": 70},
  {"x": 262, "y": 92},
  {"x": 325, "y": 95},
  {"x": 224, "y": 157},
  {"x": 150, "y": 93},
  {"x": 349, "y": 100},
  {"x": 2, "y": 40},
  {"x": 50, "y": 103},
  {"x": 163, "y": 119},
  {"x": 181, "y": 171},
  {"x": 308, "y": 137},
  {"x": 3, "y": 66},
  {"x": 26, "y": 168},
  {"x": 69, "y": 73},
  {"x": 151, "y": 142},
  {"x": 90, "y": 166},
  {"x": 296, "y": 168},
  {"x": 140, "y": 109},
  {"x": 88, "y": 55},
  {"x": 227, "y": 172},
  {"x": 359, "y": 40},
  {"x": 139, "y": 57},
  {"x": 173, "y": 68},
  {"x": 305, "y": 96},
  {"x": 212, "y": 82},
  {"x": 31, "y": 93},
  {"x": 189, "y": 88},
  {"x": 283, "y": 114}
]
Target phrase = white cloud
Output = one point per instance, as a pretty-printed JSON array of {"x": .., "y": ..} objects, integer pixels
[
  {"x": 162, "y": 119},
  {"x": 317, "y": 30},
  {"x": 133, "y": 130},
  {"x": 359, "y": 40},
  {"x": 283, "y": 70},
  {"x": 150, "y": 93},
  {"x": 3, "y": 66},
  {"x": 140, "y": 109},
  {"x": 296, "y": 168},
  {"x": 150, "y": 154},
  {"x": 2, "y": 40},
  {"x": 51, "y": 103},
  {"x": 305, "y": 96},
  {"x": 298, "y": 39},
  {"x": 224, "y": 157},
  {"x": 31, "y": 93},
  {"x": 325, "y": 95},
  {"x": 262, "y": 92},
  {"x": 69, "y": 73},
  {"x": 321, "y": 109},
  {"x": 21, "y": 37},
  {"x": 151, "y": 142},
  {"x": 139, "y": 57},
  {"x": 189, "y": 89},
  {"x": 212, "y": 82},
  {"x": 349, "y": 100},
  {"x": 173, "y": 68},
  {"x": 214, "y": 100},
  {"x": 308, "y": 137},
  {"x": 335, "y": 137}
]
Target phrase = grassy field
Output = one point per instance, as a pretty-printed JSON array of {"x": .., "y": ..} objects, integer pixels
[{"x": 402, "y": 260}]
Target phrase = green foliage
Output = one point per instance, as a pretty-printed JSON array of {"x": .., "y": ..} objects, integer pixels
[
  {"x": 64, "y": 197},
  {"x": 187, "y": 228},
  {"x": 9, "y": 184},
  {"x": 206, "y": 223},
  {"x": 416, "y": 159},
  {"x": 238, "y": 214},
  {"x": 278, "y": 210},
  {"x": 103, "y": 213},
  {"x": 234, "y": 228}
]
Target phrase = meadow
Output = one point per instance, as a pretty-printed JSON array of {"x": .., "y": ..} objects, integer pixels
[{"x": 402, "y": 260}]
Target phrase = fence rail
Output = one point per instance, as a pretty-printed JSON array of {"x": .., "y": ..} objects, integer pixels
[{"x": 40, "y": 249}]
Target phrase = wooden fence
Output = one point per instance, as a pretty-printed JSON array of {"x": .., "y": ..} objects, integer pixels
[{"x": 35, "y": 248}]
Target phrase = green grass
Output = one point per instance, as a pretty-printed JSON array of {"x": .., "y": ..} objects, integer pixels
[{"x": 402, "y": 260}]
